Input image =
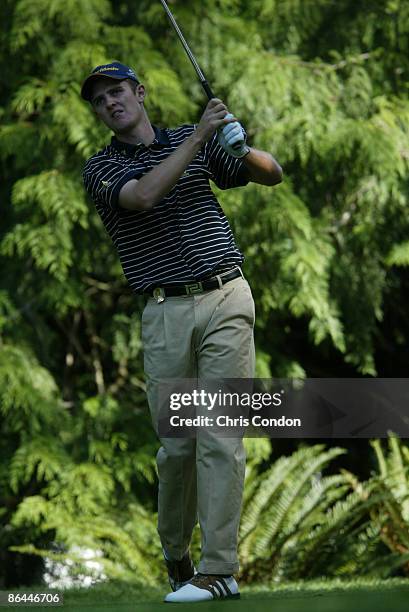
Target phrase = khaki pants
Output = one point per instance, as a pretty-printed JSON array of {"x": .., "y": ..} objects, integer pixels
[{"x": 207, "y": 336}]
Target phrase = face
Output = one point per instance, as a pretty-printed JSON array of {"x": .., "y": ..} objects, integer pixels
[{"x": 117, "y": 105}]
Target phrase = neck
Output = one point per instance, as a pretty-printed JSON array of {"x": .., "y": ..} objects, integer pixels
[{"x": 142, "y": 132}]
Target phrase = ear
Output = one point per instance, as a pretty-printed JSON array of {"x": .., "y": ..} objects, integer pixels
[{"x": 140, "y": 92}]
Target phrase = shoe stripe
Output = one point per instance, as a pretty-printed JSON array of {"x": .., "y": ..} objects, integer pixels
[
  {"x": 226, "y": 588},
  {"x": 222, "y": 588},
  {"x": 216, "y": 585}
]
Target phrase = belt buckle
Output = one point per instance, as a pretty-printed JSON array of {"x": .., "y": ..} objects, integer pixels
[
  {"x": 193, "y": 288},
  {"x": 159, "y": 294}
]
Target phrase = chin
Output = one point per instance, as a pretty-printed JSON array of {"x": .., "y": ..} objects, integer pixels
[{"x": 122, "y": 129}]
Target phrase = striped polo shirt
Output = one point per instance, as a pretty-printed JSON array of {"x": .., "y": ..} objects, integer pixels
[{"x": 186, "y": 236}]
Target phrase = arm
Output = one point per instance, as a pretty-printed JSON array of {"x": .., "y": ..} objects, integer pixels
[
  {"x": 262, "y": 168},
  {"x": 144, "y": 193}
]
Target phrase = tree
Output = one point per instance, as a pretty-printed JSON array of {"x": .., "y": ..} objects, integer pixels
[{"x": 322, "y": 85}]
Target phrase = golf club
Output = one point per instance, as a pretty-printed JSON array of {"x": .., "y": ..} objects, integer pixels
[
  {"x": 190, "y": 55},
  {"x": 192, "y": 58}
]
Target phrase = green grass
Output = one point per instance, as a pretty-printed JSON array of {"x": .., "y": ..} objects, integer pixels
[{"x": 316, "y": 596}]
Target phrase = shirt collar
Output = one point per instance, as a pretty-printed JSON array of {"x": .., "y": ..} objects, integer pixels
[{"x": 161, "y": 139}]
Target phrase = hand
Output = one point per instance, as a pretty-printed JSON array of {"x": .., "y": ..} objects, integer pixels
[
  {"x": 232, "y": 138},
  {"x": 214, "y": 116}
]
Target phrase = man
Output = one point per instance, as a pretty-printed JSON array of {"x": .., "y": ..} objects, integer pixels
[{"x": 151, "y": 189}]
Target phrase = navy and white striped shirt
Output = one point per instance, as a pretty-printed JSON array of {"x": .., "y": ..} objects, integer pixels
[{"x": 186, "y": 236}]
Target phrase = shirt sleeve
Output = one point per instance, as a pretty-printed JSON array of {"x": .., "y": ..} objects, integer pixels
[
  {"x": 226, "y": 171},
  {"x": 104, "y": 178}
]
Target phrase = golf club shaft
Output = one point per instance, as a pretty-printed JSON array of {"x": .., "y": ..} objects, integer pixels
[
  {"x": 196, "y": 66},
  {"x": 190, "y": 55}
]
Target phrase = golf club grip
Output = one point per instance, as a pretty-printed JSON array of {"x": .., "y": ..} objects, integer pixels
[
  {"x": 211, "y": 95},
  {"x": 207, "y": 89}
]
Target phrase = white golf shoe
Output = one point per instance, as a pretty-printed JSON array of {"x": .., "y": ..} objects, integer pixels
[{"x": 205, "y": 587}]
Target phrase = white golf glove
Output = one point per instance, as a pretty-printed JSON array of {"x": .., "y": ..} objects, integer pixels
[{"x": 232, "y": 138}]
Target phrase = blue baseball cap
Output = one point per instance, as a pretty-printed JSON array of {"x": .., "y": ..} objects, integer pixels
[{"x": 115, "y": 70}]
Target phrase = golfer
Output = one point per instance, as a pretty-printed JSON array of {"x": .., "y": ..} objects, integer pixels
[{"x": 151, "y": 188}]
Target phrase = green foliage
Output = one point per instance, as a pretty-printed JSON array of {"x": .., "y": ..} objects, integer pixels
[
  {"x": 71, "y": 474},
  {"x": 26, "y": 388},
  {"x": 393, "y": 516},
  {"x": 322, "y": 86},
  {"x": 297, "y": 523},
  {"x": 46, "y": 238},
  {"x": 127, "y": 539}
]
